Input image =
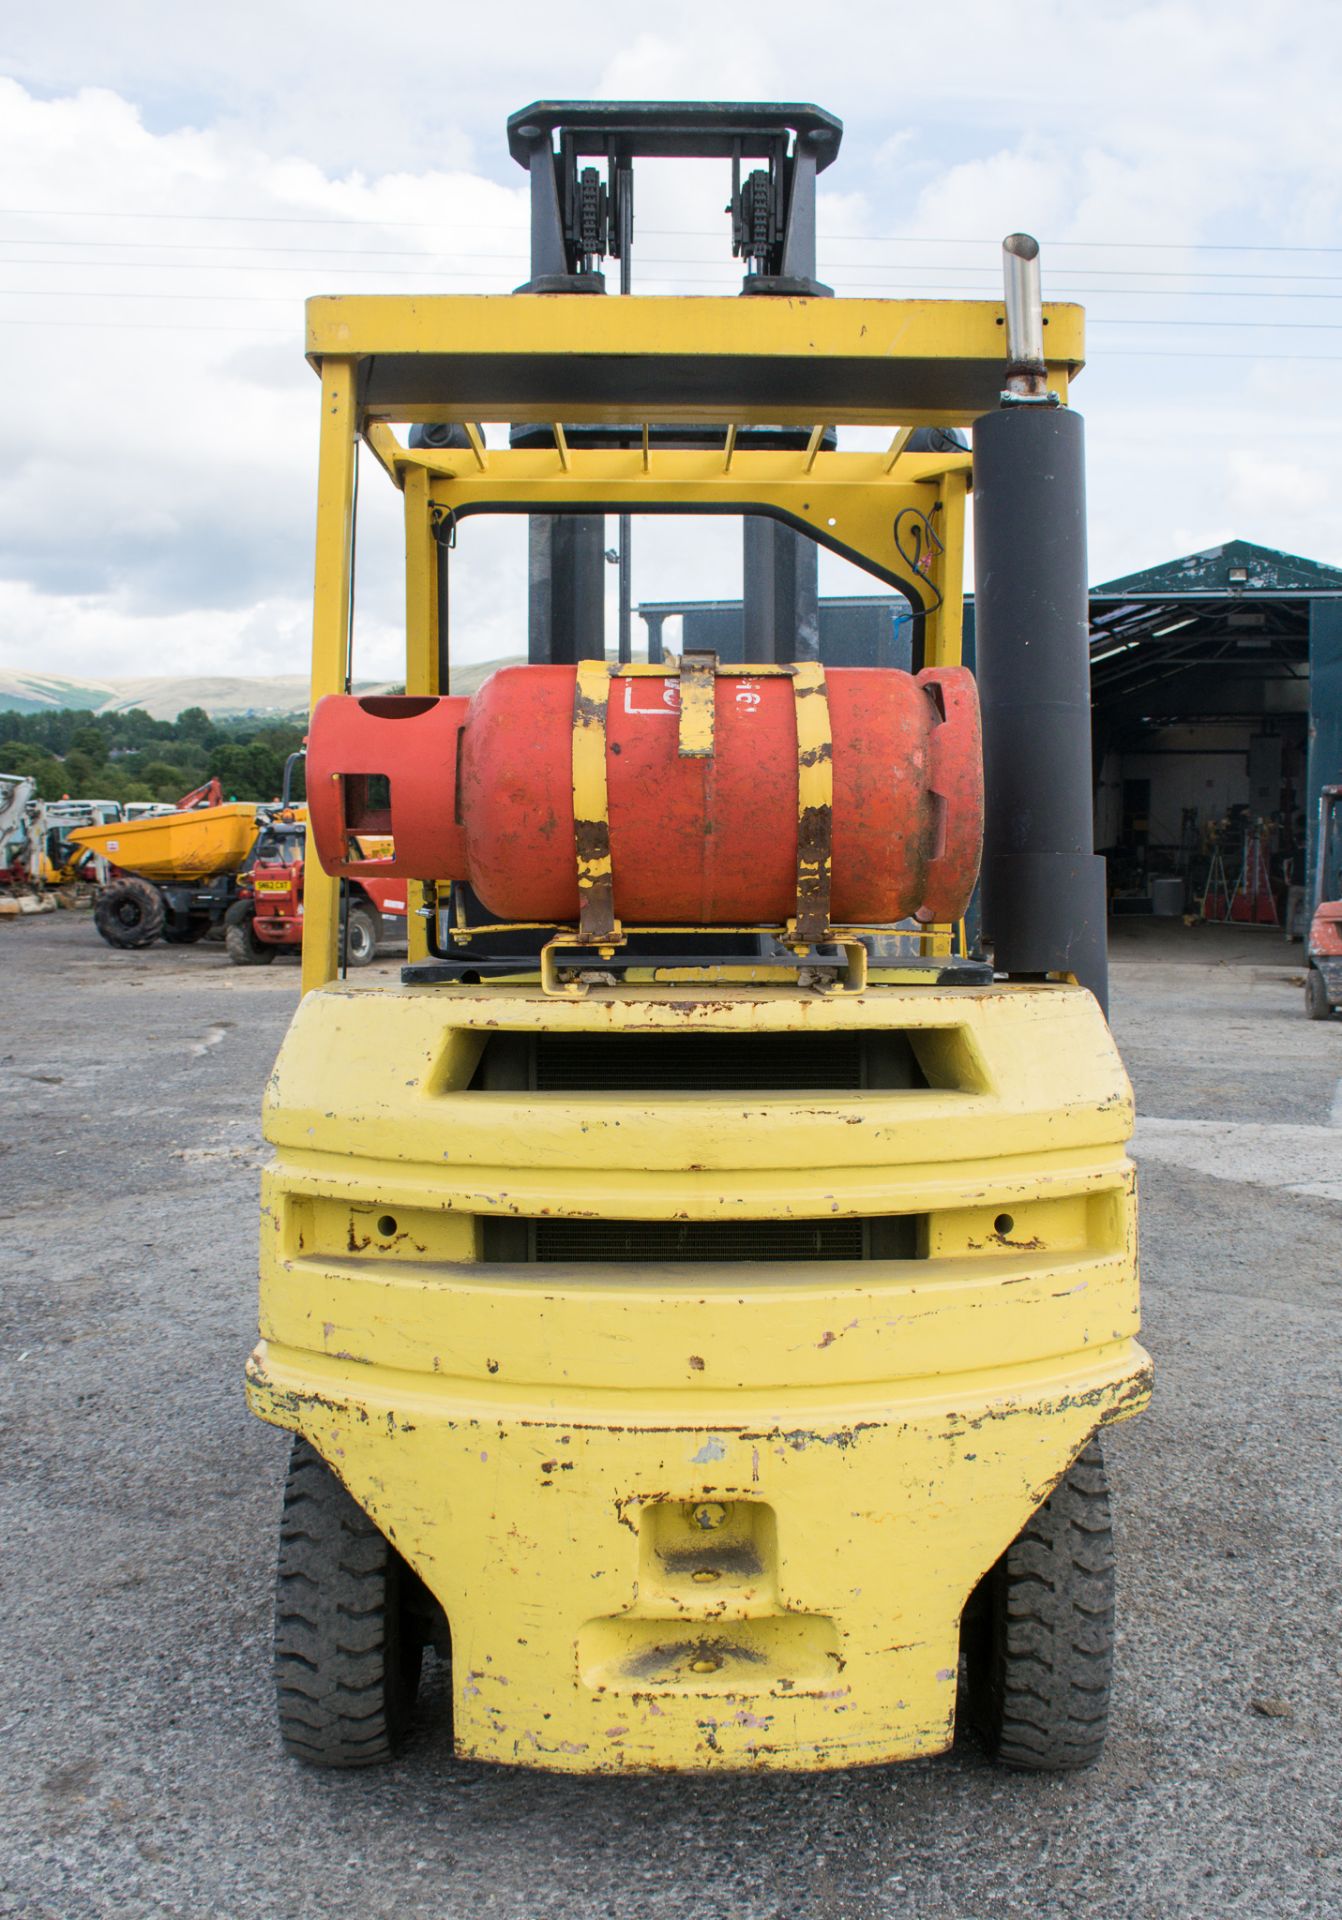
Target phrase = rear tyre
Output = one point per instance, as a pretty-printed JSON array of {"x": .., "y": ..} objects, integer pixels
[
  {"x": 1317, "y": 1004},
  {"x": 1039, "y": 1631},
  {"x": 349, "y": 1625},
  {"x": 360, "y": 942},
  {"x": 129, "y": 913},
  {"x": 244, "y": 946}
]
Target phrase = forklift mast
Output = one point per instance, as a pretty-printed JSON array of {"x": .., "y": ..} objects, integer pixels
[{"x": 583, "y": 213}]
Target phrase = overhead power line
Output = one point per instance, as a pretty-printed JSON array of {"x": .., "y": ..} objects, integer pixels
[
  {"x": 1101, "y": 246},
  {"x": 1191, "y": 353},
  {"x": 256, "y": 219},
  {"x": 511, "y": 265},
  {"x": 280, "y": 299},
  {"x": 866, "y": 239},
  {"x": 692, "y": 260},
  {"x": 243, "y": 246},
  {"x": 149, "y": 326}
]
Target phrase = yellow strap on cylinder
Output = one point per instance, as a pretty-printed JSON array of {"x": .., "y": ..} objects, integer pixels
[
  {"x": 591, "y": 804},
  {"x": 815, "y": 802},
  {"x": 698, "y": 682}
]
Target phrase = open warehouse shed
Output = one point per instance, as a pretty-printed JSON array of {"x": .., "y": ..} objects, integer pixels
[{"x": 1217, "y": 694}]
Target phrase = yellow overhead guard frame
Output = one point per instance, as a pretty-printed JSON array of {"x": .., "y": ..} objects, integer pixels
[{"x": 539, "y": 358}]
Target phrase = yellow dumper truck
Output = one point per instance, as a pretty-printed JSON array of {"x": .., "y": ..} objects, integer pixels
[
  {"x": 174, "y": 872},
  {"x": 696, "y": 1291}
]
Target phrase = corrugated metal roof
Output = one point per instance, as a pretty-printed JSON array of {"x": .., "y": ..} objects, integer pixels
[{"x": 1208, "y": 575}]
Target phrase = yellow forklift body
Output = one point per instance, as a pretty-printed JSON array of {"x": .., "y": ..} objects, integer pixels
[
  {"x": 708, "y": 1514},
  {"x": 681, "y": 1509}
]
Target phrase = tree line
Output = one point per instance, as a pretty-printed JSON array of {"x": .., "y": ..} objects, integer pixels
[{"x": 130, "y": 756}]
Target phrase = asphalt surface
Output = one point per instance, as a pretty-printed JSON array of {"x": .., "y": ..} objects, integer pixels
[{"x": 140, "y": 1772}]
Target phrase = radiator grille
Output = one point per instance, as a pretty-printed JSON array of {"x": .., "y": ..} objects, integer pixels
[
  {"x": 633, "y": 1242},
  {"x": 842, "y": 1061},
  {"x": 638, "y": 1240}
]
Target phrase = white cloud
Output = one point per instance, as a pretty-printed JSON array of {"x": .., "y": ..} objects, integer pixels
[
  {"x": 81, "y": 634},
  {"x": 653, "y": 67},
  {"x": 156, "y": 492},
  {"x": 156, "y": 487}
]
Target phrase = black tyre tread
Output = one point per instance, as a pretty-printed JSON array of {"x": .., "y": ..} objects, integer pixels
[
  {"x": 345, "y": 1679},
  {"x": 243, "y": 947},
  {"x": 361, "y": 954},
  {"x": 188, "y": 935},
  {"x": 1317, "y": 1005},
  {"x": 138, "y": 898},
  {"x": 1045, "y": 1659}
]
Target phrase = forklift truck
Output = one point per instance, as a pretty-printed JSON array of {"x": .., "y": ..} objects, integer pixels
[{"x": 698, "y": 1328}]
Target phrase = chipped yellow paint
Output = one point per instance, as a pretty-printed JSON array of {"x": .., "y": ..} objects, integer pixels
[
  {"x": 848, "y": 502},
  {"x": 537, "y": 1438},
  {"x": 591, "y": 803},
  {"x": 336, "y": 468},
  {"x": 815, "y": 803},
  {"x": 422, "y": 656},
  {"x": 698, "y": 696}
]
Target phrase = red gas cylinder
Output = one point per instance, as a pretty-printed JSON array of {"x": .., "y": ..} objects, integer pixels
[{"x": 703, "y": 825}]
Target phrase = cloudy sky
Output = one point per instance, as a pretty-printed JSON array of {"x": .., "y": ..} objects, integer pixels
[{"x": 177, "y": 180}]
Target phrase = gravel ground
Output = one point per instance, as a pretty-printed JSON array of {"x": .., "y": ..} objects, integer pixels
[{"x": 140, "y": 1773}]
